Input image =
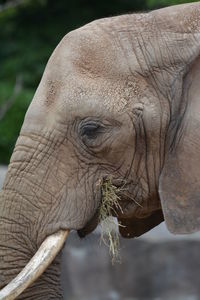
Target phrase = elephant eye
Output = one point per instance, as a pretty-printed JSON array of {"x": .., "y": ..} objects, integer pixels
[{"x": 91, "y": 130}]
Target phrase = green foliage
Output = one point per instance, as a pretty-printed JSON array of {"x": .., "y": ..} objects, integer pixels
[
  {"x": 162, "y": 3},
  {"x": 29, "y": 33},
  {"x": 11, "y": 124}
]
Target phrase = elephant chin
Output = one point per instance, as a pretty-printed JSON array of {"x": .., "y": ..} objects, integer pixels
[
  {"x": 134, "y": 227},
  {"x": 36, "y": 266}
]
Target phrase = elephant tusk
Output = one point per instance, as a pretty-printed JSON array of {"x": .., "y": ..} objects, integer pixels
[{"x": 36, "y": 266}]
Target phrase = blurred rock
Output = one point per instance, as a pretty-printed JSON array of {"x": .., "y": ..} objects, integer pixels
[{"x": 148, "y": 270}]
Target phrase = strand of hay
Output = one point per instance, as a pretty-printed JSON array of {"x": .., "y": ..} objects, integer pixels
[{"x": 109, "y": 203}]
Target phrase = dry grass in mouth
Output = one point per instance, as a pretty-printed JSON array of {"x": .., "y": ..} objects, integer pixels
[{"x": 109, "y": 203}]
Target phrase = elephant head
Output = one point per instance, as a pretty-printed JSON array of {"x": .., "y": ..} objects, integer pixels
[{"x": 119, "y": 99}]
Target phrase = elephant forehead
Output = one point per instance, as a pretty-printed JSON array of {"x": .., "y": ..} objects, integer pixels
[
  {"x": 95, "y": 56},
  {"x": 78, "y": 95},
  {"x": 89, "y": 73},
  {"x": 83, "y": 98},
  {"x": 95, "y": 97},
  {"x": 94, "y": 51}
]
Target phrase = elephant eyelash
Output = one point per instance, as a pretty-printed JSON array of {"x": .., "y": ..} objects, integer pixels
[{"x": 91, "y": 130}]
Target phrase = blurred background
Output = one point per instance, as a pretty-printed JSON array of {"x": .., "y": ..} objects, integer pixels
[{"x": 155, "y": 266}]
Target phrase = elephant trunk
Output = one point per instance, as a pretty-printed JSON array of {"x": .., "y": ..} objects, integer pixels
[
  {"x": 20, "y": 240},
  {"x": 34, "y": 205},
  {"x": 36, "y": 266}
]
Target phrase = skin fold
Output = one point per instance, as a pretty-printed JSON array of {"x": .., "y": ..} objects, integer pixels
[{"x": 119, "y": 98}]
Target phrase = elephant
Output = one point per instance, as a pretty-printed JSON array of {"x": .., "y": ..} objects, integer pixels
[{"x": 118, "y": 99}]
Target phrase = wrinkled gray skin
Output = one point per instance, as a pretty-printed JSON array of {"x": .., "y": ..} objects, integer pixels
[{"x": 119, "y": 98}]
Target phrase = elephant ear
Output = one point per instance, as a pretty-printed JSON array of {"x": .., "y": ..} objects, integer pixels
[
  {"x": 134, "y": 227},
  {"x": 179, "y": 184}
]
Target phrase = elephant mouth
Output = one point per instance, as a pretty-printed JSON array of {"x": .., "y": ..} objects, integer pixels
[
  {"x": 126, "y": 206},
  {"x": 94, "y": 221},
  {"x": 90, "y": 226}
]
